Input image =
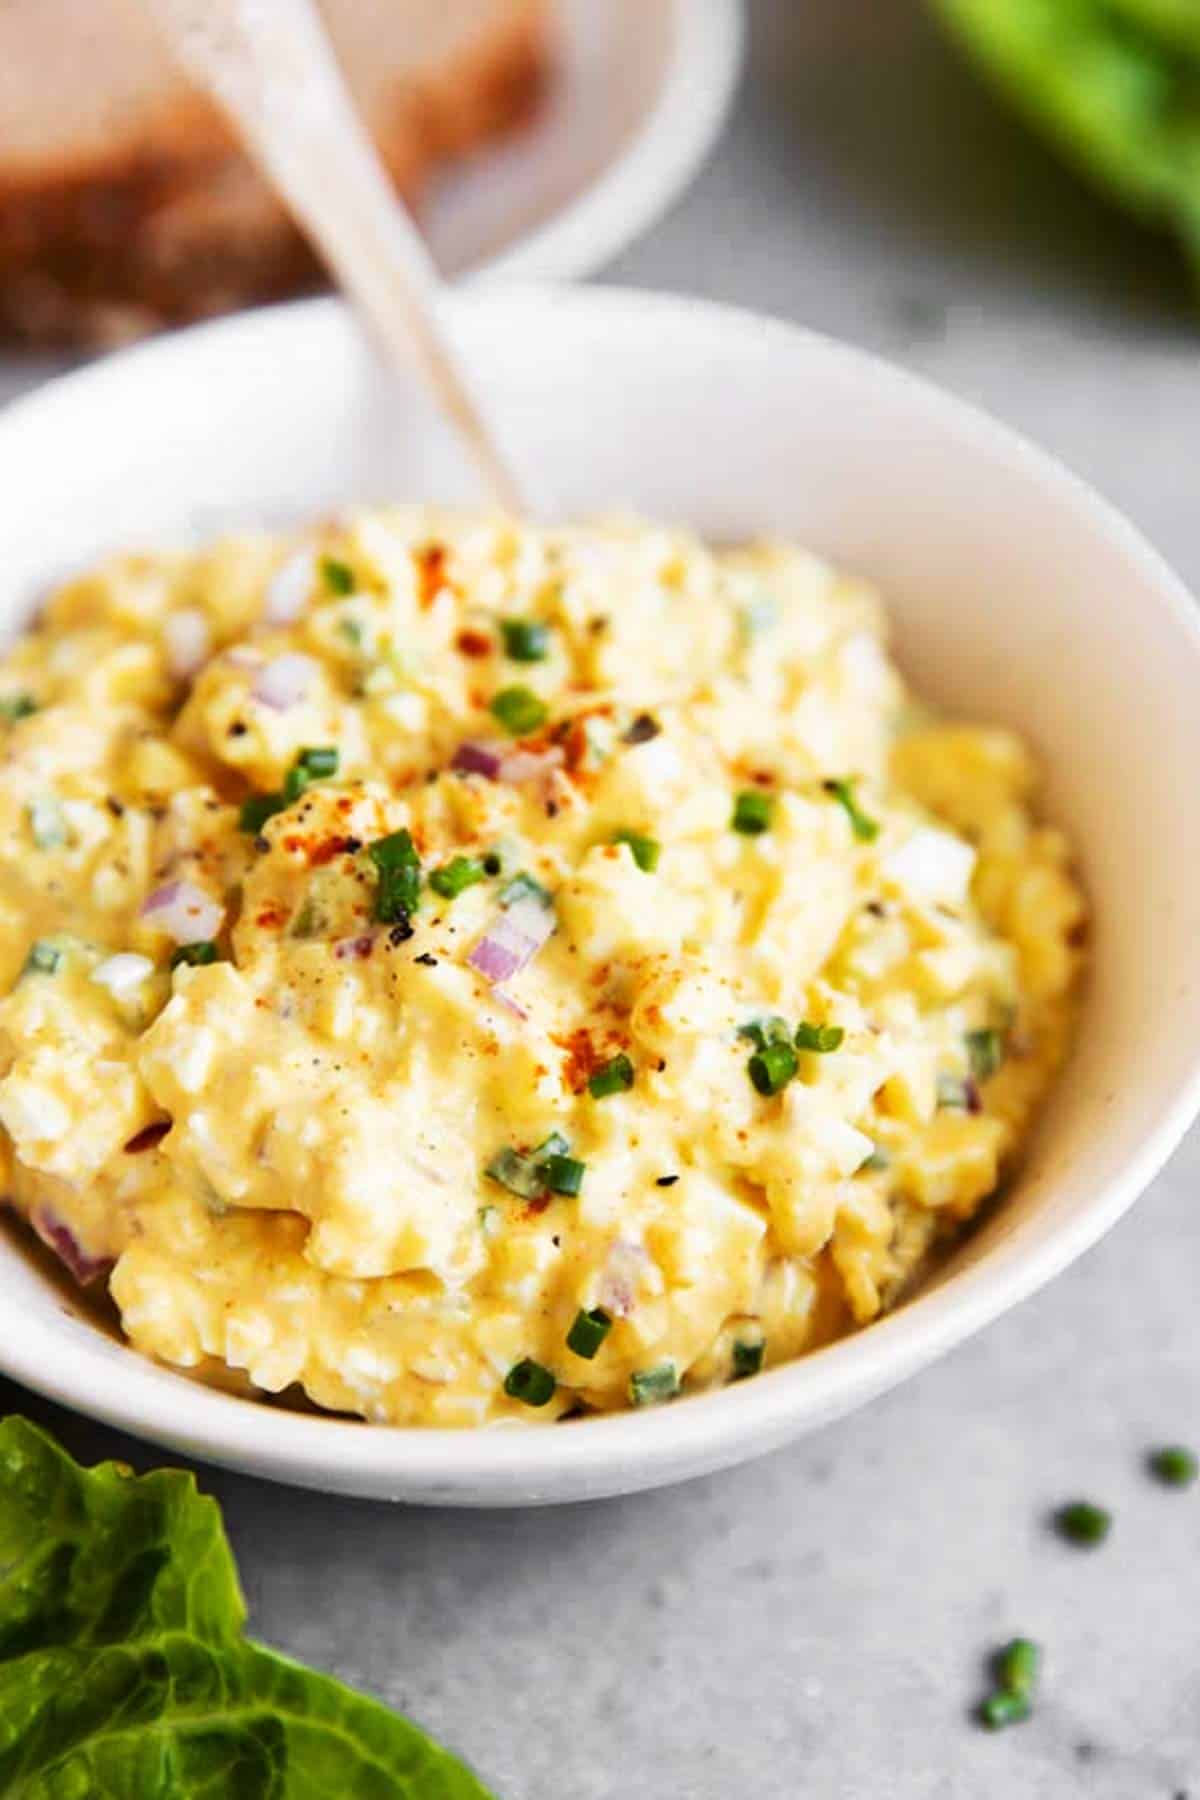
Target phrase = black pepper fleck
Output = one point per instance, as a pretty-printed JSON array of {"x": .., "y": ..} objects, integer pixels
[
  {"x": 666, "y": 1181},
  {"x": 401, "y": 931},
  {"x": 643, "y": 729},
  {"x": 426, "y": 961}
]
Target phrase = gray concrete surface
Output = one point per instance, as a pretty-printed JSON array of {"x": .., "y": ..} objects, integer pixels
[{"x": 813, "y": 1625}]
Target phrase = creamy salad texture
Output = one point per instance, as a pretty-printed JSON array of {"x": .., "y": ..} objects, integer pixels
[{"x": 478, "y": 972}]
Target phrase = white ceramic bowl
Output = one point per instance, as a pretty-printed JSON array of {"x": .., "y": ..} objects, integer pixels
[
  {"x": 639, "y": 93},
  {"x": 1017, "y": 596}
]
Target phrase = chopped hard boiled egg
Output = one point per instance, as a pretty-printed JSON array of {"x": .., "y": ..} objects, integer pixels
[{"x": 476, "y": 972}]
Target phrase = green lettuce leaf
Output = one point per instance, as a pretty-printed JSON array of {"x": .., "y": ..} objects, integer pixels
[
  {"x": 1116, "y": 83},
  {"x": 124, "y": 1671},
  {"x": 1178, "y": 21}
]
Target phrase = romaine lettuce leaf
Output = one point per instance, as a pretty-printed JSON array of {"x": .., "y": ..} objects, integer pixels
[
  {"x": 1119, "y": 95},
  {"x": 124, "y": 1672},
  {"x": 1178, "y": 21}
]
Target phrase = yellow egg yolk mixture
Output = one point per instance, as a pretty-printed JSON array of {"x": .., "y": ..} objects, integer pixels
[{"x": 481, "y": 972}]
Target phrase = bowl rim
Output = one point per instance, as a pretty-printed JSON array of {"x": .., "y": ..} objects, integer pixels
[
  {"x": 621, "y": 1452},
  {"x": 654, "y": 168}
]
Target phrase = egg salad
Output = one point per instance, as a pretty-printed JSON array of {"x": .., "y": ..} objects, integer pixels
[{"x": 473, "y": 972}]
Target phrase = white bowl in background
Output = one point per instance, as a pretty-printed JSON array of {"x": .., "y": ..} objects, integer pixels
[
  {"x": 638, "y": 95},
  {"x": 1017, "y": 596}
]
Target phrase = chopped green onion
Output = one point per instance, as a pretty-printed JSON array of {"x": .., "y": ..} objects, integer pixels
[
  {"x": 525, "y": 640},
  {"x": 194, "y": 955},
  {"x": 562, "y": 1174},
  {"x": 399, "y": 868},
  {"x": 16, "y": 706},
  {"x": 528, "y": 1382},
  {"x": 395, "y": 851},
  {"x": 547, "y": 1170},
  {"x": 524, "y": 887},
  {"x": 865, "y": 830},
  {"x": 1017, "y": 1667},
  {"x": 352, "y": 631},
  {"x": 47, "y": 823},
  {"x": 747, "y": 1359},
  {"x": 516, "y": 1173},
  {"x": 878, "y": 1159},
  {"x": 821, "y": 1038},
  {"x": 770, "y": 1029},
  {"x": 613, "y": 1077},
  {"x": 311, "y": 920},
  {"x": 985, "y": 1050},
  {"x": 772, "y": 1067},
  {"x": 1083, "y": 1523},
  {"x": 454, "y": 877},
  {"x": 44, "y": 958},
  {"x": 1001, "y": 1709},
  {"x": 752, "y": 812},
  {"x": 519, "y": 710},
  {"x": 1174, "y": 1466},
  {"x": 316, "y": 764},
  {"x": 319, "y": 763},
  {"x": 649, "y": 1387},
  {"x": 589, "y": 1332},
  {"x": 337, "y": 576},
  {"x": 257, "y": 809},
  {"x": 645, "y": 850}
]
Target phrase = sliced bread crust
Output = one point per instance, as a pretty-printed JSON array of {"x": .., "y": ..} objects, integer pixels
[{"x": 139, "y": 210}]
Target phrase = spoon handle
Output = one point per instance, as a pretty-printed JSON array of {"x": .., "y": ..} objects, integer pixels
[{"x": 269, "y": 65}]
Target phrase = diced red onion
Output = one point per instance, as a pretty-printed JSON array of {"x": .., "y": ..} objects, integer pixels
[
  {"x": 188, "y": 641},
  {"x": 184, "y": 912},
  {"x": 509, "y": 1004},
  {"x": 285, "y": 681},
  {"x": 59, "y": 1237},
  {"x": 122, "y": 973},
  {"x": 355, "y": 949},
  {"x": 621, "y": 1277},
  {"x": 289, "y": 588},
  {"x": 530, "y": 765},
  {"x": 479, "y": 759},
  {"x": 511, "y": 941}
]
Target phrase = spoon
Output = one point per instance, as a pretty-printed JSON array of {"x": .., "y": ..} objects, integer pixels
[{"x": 269, "y": 66}]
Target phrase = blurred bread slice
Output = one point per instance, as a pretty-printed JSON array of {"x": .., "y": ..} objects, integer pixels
[{"x": 125, "y": 203}]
